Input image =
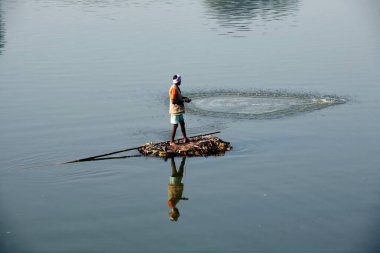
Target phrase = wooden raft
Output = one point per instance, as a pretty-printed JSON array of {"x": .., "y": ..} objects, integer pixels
[
  {"x": 200, "y": 145},
  {"x": 206, "y": 145}
]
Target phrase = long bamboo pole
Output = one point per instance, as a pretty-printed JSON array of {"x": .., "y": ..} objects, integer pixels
[{"x": 129, "y": 149}]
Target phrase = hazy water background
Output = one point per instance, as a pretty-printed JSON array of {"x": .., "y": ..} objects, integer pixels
[{"x": 80, "y": 78}]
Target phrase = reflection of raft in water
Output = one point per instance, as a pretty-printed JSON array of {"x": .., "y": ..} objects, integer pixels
[{"x": 206, "y": 145}]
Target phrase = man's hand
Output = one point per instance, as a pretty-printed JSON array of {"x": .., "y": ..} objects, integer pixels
[{"x": 186, "y": 99}]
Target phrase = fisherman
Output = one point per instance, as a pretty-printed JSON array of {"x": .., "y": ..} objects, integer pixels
[
  {"x": 175, "y": 189},
  {"x": 177, "y": 109}
]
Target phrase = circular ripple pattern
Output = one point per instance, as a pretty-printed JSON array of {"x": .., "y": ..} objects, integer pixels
[{"x": 258, "y": 105}]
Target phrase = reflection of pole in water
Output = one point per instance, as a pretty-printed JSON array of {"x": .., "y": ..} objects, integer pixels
[
  {"x": 2, "y": 29},
  {"x": 175, "y": 188}
]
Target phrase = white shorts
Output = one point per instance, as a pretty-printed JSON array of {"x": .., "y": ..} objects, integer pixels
[{"x": 175, "y": 119}]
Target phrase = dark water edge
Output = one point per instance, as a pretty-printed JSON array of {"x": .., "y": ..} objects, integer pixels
[{"x": 2, "y": 29}]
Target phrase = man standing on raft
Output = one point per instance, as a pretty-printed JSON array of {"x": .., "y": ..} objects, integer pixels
[{"x": 177, "y": 108}]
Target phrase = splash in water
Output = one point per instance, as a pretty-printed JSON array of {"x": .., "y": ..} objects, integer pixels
[{"x": 258, "y": 104}]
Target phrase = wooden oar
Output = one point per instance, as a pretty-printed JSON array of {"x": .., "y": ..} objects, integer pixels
[
  {"x": 111, "y": 158},
  {"x": 129, "y": 149},
  {"x": 98, "y": 156}
]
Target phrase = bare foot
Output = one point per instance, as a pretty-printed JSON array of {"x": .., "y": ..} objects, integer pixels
[
  {"x": 172, "y": 143},
  {"x": 186, "y": 140}
]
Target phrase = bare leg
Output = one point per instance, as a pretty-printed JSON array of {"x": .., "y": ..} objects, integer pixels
[
  {"x": 174, "y": 168},
  {"x": 174, "y": 130},
  {"x": 183, "y": 129},
  {"x": 181, "y": 167}
]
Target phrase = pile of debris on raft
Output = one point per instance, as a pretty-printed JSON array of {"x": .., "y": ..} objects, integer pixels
[{"x": 206, "y": 145}]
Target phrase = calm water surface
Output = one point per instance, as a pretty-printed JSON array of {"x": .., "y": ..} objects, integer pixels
[{"x": 80, "y": 78}]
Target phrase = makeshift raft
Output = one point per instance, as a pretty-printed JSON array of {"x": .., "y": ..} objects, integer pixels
[
  {"x": 205, "y": 145},
  {"x": 200, "y": 145}
]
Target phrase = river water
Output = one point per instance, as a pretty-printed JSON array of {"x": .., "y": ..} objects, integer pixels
[{"x": 81, "y": 78}]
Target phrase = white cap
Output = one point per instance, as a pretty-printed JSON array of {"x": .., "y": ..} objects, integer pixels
[{"x": 177, "y": 80}]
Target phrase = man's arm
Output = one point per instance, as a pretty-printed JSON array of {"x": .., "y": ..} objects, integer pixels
[
  {"x": 174, "y": 98},
  {"x": 177, "y": 101}
]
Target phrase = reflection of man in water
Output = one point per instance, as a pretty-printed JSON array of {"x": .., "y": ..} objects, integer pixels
[{"x": 175, "y": 189}]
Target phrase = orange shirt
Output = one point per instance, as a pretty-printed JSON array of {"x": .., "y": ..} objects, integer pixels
[{"x": 173, "y": 93}]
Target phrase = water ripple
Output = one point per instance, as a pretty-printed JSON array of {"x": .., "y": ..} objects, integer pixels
[{"x": 237, "y": 15}]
